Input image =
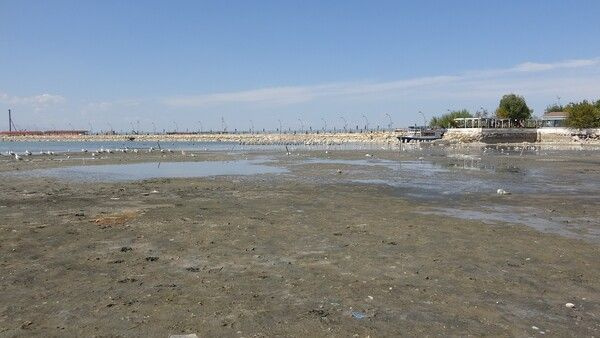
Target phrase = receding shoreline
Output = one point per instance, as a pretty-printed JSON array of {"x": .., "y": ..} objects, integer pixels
[{"x": 454, "y": 135}]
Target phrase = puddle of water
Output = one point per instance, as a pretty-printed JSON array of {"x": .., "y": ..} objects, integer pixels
[
  {"x": 141, "y": 171},
  {"x": 495, "y": 215}
]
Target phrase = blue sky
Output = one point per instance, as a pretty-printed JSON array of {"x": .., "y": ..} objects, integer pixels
[{"x": 186, "y": 64}]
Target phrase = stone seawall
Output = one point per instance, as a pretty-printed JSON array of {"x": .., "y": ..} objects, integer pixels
[
  {"x": 519, "y": 135},
  {"x": 461, "y": 135},
  {"x": 258, "y": 139}
]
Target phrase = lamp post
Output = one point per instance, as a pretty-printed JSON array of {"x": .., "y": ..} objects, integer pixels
[
  {"x": 424, "y": 120},
  {"x": 366, "y": 122},
  {"x": 345, "y": 123},
  {"x": 390, "y": 118}
]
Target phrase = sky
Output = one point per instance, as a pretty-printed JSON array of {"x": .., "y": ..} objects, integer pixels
[{"x": 191, "y": 65}]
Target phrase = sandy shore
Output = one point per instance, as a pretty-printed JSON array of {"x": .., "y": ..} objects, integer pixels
[{"x": 311, "y": 252}]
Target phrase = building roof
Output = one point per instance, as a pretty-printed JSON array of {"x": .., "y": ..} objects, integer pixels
[{"x": 555, "y": 114}]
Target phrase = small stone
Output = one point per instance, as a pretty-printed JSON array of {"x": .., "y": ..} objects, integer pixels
[
  {"x": 502, "y": 192},
  {"x": 570, "y": 305}
]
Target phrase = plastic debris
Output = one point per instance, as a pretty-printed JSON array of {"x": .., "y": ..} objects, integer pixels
[{"x": 359, "y": 315}]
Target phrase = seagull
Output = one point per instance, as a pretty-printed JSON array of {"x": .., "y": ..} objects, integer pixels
[{"x": 27, "y": 152}]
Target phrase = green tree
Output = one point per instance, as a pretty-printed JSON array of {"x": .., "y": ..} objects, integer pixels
[
  {"x": 447, "y": 120},
  {"x": 513, "y": 107},
  {"x": 554, "y": 108},
  {"x": 583, "y": 114}
]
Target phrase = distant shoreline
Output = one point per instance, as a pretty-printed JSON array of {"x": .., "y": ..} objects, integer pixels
[{"x": 454, "y": 135}]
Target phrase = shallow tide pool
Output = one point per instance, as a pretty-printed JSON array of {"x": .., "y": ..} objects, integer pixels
[{"x": 148, "y": 170}]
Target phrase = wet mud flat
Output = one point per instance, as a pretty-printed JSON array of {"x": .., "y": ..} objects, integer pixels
[{"x": 340, "y": 244}]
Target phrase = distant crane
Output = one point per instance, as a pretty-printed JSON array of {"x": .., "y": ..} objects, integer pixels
[
  {"x": 324, "y": 124},
  {"x": 280, "y": 127},
  {"x": 11, "y": 123},
  {"x": 366, "y": 122},
  {"x": 301, "y": 125}
]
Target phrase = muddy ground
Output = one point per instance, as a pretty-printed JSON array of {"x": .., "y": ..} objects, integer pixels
[{"x": 308, "y": 253}]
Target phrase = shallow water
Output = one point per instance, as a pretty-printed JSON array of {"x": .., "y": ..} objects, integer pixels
[
  {"x": 148, "y": 170},
  {"x": 568, "y": 227}
]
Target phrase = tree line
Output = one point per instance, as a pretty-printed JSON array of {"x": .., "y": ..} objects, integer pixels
[{"x": 584, "y": 114}]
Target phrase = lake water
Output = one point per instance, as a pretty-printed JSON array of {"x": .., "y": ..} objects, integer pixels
[{"x": 148, "y": 170}]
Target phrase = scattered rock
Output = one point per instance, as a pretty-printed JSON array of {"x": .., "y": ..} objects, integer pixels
[
  {"x": 126, "y": 248},
  {"x": 193, "y": 269},
  {"x": 502, "y": 192},
  {"x": 152, "y": 258},
  {"x": 570, "y": 305}
]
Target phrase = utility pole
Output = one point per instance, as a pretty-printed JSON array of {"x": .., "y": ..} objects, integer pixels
[{"x": 9, "y": 121}]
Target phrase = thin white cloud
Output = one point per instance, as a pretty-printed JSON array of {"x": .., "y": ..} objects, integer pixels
[
  {"x": 539, "y": 67},
  {"x": 273, "y": 96},
  {"x": 36, "y": 102}
]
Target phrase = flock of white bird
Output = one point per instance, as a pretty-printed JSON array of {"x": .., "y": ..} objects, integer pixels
[{"x": 96, "y": 153}]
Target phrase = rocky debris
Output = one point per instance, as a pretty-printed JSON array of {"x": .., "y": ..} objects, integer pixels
[{"x": 502, "y": 192}]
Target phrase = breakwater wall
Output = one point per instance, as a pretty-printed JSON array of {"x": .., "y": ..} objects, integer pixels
[
  {"x": 255, "y": 139},
  {"x": 518, "y": 135}
]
